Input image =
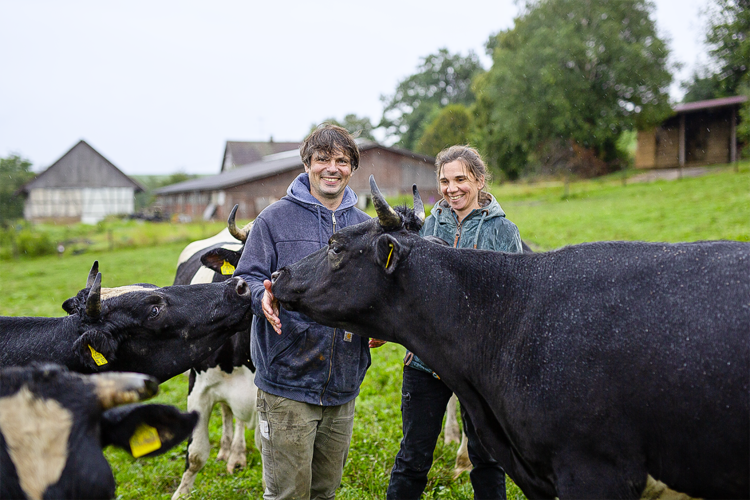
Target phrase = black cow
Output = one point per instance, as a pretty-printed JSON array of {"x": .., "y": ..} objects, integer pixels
[
  {"x": 227, "y": 376},
  {"x": 54, "y": 424},
  {"x": 141, "y": 328},
  {"x": 588, "y": 371}
]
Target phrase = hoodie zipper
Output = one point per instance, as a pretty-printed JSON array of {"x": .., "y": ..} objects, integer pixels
[
  {"x": 458, "y": 232},
  {"x": 330, "y": 362}
]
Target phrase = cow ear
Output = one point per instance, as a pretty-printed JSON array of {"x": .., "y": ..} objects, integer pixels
[
  {"x": 96, "y": 350},
  {"x": 221, "y": 260},
  {"x": 388, "y": 252},
  {"x": 69, "y": 306},
  {"x": 146, "y": 430}
]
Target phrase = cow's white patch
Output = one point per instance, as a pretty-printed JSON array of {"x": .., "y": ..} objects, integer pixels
[
  {"x": 656, "y": 490},
  {"x": 203, "y": 275},
  {"x": 36, "y": 432},
  {"x": 197, "y": 246},
  {"x": 109, "y": 293}
]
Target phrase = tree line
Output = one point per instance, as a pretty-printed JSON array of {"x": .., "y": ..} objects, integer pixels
[{"x": 569, "y": 84}]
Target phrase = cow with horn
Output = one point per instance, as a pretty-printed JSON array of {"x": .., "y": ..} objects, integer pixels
[{"x": 599, "y": 370}]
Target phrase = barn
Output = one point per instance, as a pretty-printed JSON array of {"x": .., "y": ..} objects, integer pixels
[
  {"x": 258, "y": 184},
  {"x": 238, "y": 153},
  {"x": 82, "y": 186},
  {"x": 698, "y": 133}
]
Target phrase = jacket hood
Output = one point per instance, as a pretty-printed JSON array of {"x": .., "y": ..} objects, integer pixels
[
  {"x": 299, "y": 191},
  {"x": 442, "y": 209}
]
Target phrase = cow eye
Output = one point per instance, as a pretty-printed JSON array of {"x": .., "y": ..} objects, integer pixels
[{"x": 155, "y": 310}]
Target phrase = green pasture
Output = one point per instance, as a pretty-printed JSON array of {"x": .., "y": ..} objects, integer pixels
[{"x": 714, "y": 206}]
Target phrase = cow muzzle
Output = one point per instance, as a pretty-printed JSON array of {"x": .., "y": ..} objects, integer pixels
[{"x": 118, "y": 388}]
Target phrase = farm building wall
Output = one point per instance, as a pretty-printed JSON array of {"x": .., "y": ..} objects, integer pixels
[
  {"x": 394, "y": 172},
  {"x": 708, "y": 135},
  {"x": 87, "y": 205}
]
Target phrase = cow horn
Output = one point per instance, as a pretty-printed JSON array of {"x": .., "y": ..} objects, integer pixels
[
  {"x": 418, "y": 205},
  {"x": 114, "y": 388},
  {"x": 94, "y": 300},
  {"x": 388, "y": 217},
  {"x": 92, "y": 274},
  {"x": 240, "y": 234}
]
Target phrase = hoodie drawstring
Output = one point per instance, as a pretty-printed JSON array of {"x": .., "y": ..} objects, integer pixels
[
  {"x": 320, "y": 227},
  {"x": 485, "y": 212}
]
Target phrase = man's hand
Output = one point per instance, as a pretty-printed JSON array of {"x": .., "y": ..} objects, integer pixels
[
  {"x": 271, "y": 307},
  {"x": 376, "y": 343}
]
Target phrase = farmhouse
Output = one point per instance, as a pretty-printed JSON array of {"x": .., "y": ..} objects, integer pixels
[
  {"x": 82, "y": 186},
  {"x": 238, "y": 153},
  {"x": 698, "y": 133},
  {"x": 256, "y": 185}
]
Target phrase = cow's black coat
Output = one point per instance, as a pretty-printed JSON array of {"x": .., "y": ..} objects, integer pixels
[
  {"x": 157, "y": 331},
  {"x": 584, "y": 369}
]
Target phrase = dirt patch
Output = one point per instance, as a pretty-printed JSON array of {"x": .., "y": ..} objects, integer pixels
[{"x": 671, "y": 174}]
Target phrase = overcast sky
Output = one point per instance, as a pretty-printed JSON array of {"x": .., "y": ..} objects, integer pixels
[{"x": 159, "y": 86}]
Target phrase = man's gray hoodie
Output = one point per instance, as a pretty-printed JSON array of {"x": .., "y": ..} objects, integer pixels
[{"x": 308, "y": 362}]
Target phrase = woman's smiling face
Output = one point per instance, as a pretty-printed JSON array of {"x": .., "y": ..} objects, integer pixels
[{"x": 460, "y": 188}]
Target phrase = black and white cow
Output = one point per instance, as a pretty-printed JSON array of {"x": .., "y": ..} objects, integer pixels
[
  {"x": 141, "y": 328},
  {"x": 589, "y": 371},
  {"x": 54, "y": 424},
  {"x": 227, "y": 377}
]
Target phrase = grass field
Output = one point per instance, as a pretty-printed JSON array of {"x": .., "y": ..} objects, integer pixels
[{"x": 715, "y": 206}]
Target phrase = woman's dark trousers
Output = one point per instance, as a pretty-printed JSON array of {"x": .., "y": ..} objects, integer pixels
[{"x": 423, "y": 402}]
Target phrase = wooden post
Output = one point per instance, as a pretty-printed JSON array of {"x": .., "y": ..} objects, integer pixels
[
  {"x": 682, "y": 144},
  {"x": 733, "y": 140}
]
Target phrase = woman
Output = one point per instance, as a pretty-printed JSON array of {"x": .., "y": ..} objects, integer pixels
[{"x": 466, "y": 217}]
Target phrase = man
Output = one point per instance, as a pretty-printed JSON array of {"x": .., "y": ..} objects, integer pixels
[{"x": 308, "y": 375}]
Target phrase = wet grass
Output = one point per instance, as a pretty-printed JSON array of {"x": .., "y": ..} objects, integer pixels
[{"x": 715, "y": 206}]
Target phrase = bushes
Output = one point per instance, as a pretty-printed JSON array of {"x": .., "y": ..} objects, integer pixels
[
  {"x": 24, "y": 240},
  {"x": 34, "y": 244}
]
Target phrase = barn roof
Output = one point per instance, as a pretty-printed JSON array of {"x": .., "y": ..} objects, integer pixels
[
  {"x": 710, "y": 104},
  {"x": 270, "y": 165},
  {"x": 82, "y": 166},
  {"x": 240, "y": 153}
]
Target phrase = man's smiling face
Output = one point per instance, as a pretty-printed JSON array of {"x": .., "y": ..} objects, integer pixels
[{"x": 329, "y": 175}]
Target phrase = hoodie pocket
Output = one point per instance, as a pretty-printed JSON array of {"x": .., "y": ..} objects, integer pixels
[{"x": 294, "y": 336}]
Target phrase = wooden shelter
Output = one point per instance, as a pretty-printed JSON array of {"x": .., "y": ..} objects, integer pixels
[
  {"x": 82, "y": 186},
  {"x": 699, "y": 133},
  {"x": 258, "y": 184}
]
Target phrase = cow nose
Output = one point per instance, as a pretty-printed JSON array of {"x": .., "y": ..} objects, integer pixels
[
  {"x": 242, "y": 288},
  {"x": 274, "y": 276}
]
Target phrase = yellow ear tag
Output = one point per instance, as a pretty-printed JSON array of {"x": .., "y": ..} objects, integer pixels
[
  {"x": 99, "y": 358},
  {"x": 227, "y": 268},
  {"x": 389, "y": 256},
  {"x": 144, "y": 440}
]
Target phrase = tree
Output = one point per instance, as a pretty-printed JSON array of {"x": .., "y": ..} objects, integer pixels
[
  {"x": 570, "y": 75},
  {"x": 359, "y": 127},
  {"x": 701, "y": 87},
  {"x": 728, "y": 41},
  {"x": 441, "y": 79},
  {"x": 14, "y": 173},
  {"x": 451, "y": 126}
]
